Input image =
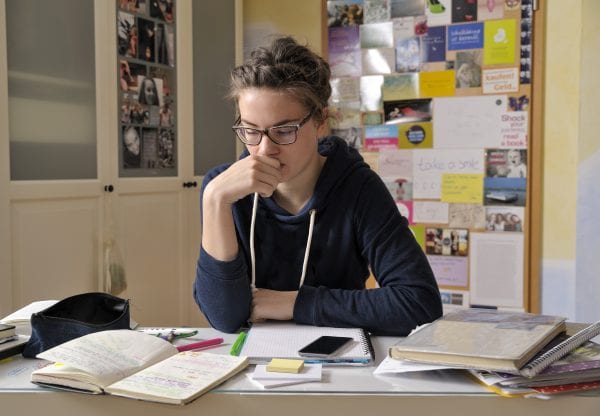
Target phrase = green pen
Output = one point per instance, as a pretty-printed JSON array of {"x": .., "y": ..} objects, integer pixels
[{"x": 236, "y": 348}]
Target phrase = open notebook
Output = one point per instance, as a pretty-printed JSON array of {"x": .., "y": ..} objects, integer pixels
[{"x": 267, "y": 340}]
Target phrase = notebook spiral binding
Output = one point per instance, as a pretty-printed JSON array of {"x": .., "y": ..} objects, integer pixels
[
  {"x": 366, "y": 344},
  {"x": 542, "y": 362}
]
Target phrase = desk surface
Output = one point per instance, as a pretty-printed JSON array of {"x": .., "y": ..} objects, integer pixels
[{"x": 343, "y": 391}]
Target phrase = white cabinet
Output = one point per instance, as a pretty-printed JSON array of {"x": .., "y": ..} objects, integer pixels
[{"x": 54, "y": 230}]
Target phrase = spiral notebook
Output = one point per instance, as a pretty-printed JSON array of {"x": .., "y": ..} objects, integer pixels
[
  {"x": 558, "y": 351},
  {"x": 267, "y": 340}
]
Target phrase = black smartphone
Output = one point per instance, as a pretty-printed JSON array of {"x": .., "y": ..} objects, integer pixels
[{"x": 324, "y": 346}]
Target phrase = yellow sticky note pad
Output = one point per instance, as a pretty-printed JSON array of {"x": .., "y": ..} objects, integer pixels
[
  {"x": 280, "y": 365},
  {"x": 465, "y": 188}
]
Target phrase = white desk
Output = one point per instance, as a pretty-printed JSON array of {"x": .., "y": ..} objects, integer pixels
[{"x": 343, "y": 391}]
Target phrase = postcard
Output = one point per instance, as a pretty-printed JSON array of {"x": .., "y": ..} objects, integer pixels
[
  {"x": 454, "y": 299},
  {"x": 439, "y": 13},
  {"x": 468, "y": 69},
  {"x": 433, "y": 44},
  {"x": 402, "y": 8},
  {"x": 378, "y": 61},
  {"x": 408, "y": 55},
  {"x": 504, "y": 218},
  {"x": 418, "y": 135},
  {"x": 515, "y": 129},
  {"x": 450, "y": 271},
  {"x": 462, "y": 188},
  {"x": 381, "y": 137},
  {"x": 345, "y": 115},
  {"x": 372, "y": 118},
  {"x": 468, "y": 121},
  {"x": 465, "y": 36},
  {"x": 401, "y": 190},
  {"x": 344, "y": 13},
  {"x": 404, "y": 27},
  {"x": 496, "y": 265},
  {"x": 430, "y": 212},
  {"x": 377, "y": 35},
  {"x": 377, "y": 11},
  {"x": 344, "y": 51},
  {"x": 345, "y": 89},
  {"x": 447, "y": 241},
  {"x": 504, "y": 191},
  {"x": 351, "y": 135},
  {"x": 436, "y": 84},
  {"x": 500, "y": 42},
  {"x": 490, "y": 9},
  {"x": 430, "y": 164},
  {"x": 400, "y": 87},
  {"x": 506, "y": 163},
  {"x": 500, "y": 81},
  {"x": 371, "y": 93},
  {"x": 464, "y": 11},
  {"x": 395, "y": 163},
  {"x": 407, "y": 111},
  {"x": 466, "y": 216},
  {"x": 405, "y": 209}
]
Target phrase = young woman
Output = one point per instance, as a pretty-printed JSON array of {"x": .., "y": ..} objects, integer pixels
[{"x": 292, "y": 229}]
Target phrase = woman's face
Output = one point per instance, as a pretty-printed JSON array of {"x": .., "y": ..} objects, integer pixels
[
  {"x": 131, "y": 140},
  {"x": 263, "y": 108},
  {"x": 149, "y": 91}
]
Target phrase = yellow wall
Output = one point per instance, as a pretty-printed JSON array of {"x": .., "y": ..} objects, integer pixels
[
  {"x": 298, "y": 18},
  {"x": 561, "y": 126},
  {"x": 590, "y": 62}
]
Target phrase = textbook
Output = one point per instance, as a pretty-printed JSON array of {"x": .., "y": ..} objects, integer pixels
[
  {"x": 481, "y": 339},
  {"x": 273, "y": 339},
  {"x": 135, "y": 365}
]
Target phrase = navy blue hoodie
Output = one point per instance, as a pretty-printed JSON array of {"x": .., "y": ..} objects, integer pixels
[{"x": 357, "y": 227}]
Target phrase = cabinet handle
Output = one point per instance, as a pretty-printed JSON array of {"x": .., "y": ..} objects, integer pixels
[
  {"x": 109, "y": 188},
  {"x": 190, "y": 184}
]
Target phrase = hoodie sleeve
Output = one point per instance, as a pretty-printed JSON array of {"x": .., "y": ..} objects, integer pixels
[
  {"x": 221, "y": 288},
  {"x": 407, "y": 295}
]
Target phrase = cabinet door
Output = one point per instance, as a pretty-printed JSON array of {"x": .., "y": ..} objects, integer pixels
[
  {"x": 65, "y": 198},
  {"x": 51, "y": 195}
]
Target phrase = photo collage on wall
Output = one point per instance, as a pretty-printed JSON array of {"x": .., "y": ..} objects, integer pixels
[
  {"x": 147, "y": 87},
  {"x": 435, "y": 95}
]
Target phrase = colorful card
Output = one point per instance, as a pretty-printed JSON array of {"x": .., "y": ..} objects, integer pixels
[
  {"x": 434, "y": 44},
  {"x": 381, "y": 137},
  {"x": 462, "y": 188},
  {"x": 465, "y": 36},
  {"x": 500, "y": 43},
  {"x": 415, "y": 135},
  {"x": 436, "y": 84}
]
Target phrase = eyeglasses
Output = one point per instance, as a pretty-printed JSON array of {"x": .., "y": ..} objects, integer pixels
[{"x": 286, "y": 134}]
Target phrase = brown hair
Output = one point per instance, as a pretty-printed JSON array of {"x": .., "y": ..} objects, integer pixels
[{"x": 285, "y": 65}]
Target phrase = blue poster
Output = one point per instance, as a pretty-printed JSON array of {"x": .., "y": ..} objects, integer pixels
[{"x": 465, "y": 36}]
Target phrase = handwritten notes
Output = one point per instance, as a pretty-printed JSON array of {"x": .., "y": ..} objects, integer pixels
[
  {"x": 430, "y": 165},
  {"x": 468, "y": 122},
  {"x": 466, "y": 188}
]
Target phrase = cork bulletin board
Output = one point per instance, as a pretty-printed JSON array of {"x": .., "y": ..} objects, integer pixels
[{"x": 436, "y": 95}]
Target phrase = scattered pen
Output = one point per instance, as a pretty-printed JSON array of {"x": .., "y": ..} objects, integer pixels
[
  {"x": 236, "y": 348},
  {"x": 200, "y": 344}
]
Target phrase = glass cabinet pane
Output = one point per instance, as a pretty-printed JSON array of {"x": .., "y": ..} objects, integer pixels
[{"x": 51, "y": 89}]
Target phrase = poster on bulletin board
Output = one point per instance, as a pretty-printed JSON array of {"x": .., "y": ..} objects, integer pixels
[{"x": 435, "y": 95}]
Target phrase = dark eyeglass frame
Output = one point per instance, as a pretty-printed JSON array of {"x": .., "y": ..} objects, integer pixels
[{"x": 265, "y": 132}]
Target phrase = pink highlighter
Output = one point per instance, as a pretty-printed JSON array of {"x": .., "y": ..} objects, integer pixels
[{"x": 200, "y": 344}]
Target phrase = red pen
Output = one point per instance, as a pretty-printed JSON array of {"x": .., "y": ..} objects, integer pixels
[{"x": 200, "y": 344}]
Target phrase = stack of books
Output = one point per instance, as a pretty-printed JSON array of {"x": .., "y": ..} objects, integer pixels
[{"x": 512, "y": 353}]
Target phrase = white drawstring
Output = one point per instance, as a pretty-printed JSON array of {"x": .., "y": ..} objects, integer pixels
[
  {"x": 308, "y": 241},
  {"x": 252, "y": 224},
  {"x": 252, "y": 253}
]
